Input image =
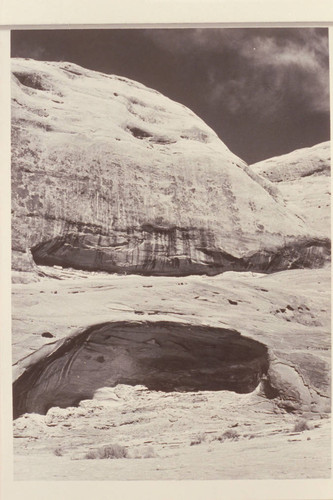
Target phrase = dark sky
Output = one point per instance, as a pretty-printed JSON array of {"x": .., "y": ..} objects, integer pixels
[{"x": 265, "y": 91}]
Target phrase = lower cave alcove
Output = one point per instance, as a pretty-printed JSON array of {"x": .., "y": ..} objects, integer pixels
[{"x": 163, "y": 356}]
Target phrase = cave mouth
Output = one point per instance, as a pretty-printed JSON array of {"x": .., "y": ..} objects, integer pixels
[{"x": 163, "y": 356}]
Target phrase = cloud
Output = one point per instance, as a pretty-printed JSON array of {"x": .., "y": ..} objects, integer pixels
[{"x": 257, "y": 70}]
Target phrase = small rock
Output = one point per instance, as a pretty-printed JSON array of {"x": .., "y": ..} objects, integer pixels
[{"x": 47, "y": 335}]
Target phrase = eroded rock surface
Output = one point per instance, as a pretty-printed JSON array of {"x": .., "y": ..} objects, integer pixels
[
  {"x": 287, "y": 312},
  {"x": 110, "y": 175}
]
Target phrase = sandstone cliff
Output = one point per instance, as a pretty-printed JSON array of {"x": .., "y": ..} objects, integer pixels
[{"x": 110, "y": 175}]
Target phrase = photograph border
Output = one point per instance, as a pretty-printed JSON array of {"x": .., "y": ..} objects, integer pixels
[{"x": 38, "y": 14}]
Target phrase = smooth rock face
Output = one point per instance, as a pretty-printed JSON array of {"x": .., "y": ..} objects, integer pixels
[
  {"x": 303, "y": 178},
  {"x": 110, "y": 175}
]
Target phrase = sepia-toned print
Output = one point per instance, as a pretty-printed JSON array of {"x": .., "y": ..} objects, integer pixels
[{"x": 171, "y": 254}]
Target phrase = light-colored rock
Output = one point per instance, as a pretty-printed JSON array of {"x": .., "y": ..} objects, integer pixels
[
  {"x": 108, "y": 174},
  {"x": 304, "y": 181}
]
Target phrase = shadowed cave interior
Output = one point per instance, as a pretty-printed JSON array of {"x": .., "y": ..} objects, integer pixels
[
  {"x": 163, "y": 356},
  {"x": 157, "y": 254}
]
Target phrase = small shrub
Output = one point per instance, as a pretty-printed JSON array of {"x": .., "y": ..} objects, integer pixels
[
  {"x": 58, "y": 452},
  {"x": 91, "y": 455},
  {"x": 301, "y": 425},
  {"x": 199, "y": 438},
  {"x": 230, "y": 434},
  {"x": 107, "y": 451}
]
